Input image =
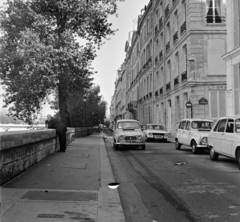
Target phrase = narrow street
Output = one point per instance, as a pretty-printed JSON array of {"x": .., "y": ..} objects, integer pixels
[{"x": 153, "y": 188}]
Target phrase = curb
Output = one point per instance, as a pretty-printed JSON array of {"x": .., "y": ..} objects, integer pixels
[{"x": 109, "y": 203}]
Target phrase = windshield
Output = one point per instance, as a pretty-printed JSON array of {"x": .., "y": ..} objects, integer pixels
[
  {"x": 128, "y": 125},
  {"x": 202, "y": 125},
  {"x": 237, "y": 125},
  {"x": 156, "y": 127}
]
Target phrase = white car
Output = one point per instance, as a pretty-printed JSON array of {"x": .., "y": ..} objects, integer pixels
[
  {"x": 193, "y": 133},
  {"x": 155, "y": 132},
  {"x": 128, "y": 132},
  {"x": 224, "y": 139}
]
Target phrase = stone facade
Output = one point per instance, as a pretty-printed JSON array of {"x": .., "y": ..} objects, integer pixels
[
  {"x": 176, "y": 57},
  {"x": 232, "y": 58}
]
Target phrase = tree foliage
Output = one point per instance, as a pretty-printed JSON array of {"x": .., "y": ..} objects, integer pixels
[{"x": 39, "y": 52}]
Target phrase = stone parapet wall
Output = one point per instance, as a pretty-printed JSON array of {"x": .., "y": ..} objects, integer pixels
[
  {"x": 83, "y": 131},
  {"x": 20, "y": 150}
]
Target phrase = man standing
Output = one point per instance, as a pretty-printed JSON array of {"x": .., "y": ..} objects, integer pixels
[{"x": 61, "y": 129}]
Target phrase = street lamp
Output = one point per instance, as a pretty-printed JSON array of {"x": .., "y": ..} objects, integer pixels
[
  {"x": 189, "y": 105},
  {"x": 84, "y": 100}
]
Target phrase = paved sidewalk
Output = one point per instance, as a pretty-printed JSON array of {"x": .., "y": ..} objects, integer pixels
[{"x": 70, "y": 186}]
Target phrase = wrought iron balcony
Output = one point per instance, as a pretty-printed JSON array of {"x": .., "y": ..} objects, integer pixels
[
  {"x": 184, "y": 76},
  {"x": 168, "y": 86},
  {"x": 167, "y": 11},
  {"x": 161, "y": 90},
  {"x": 183, "y": 27},
  {"x": 176, "y": 81},
  {"x": 168, "y": 46},
  {"x": 175, "y": 37},
  {"x": 160, "y": 23},
  {"x": 160, "y": 55}
]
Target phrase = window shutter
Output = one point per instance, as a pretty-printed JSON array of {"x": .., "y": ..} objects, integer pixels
[
  {"x": 214, "y": 107},
  {"x": 235, "y": 23},
  {"x": 222, "y": 103},
  {"x": 236, "y": 78}
]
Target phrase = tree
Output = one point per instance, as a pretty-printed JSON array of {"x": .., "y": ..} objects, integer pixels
[{"x": 40, "y": 54}]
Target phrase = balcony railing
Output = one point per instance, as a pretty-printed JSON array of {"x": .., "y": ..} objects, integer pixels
[
  {"x": 176, "y": 81},
  {"x": 161, "y": 90},
  {"x": 168, "y": 86},
  {"x": 183, "y": 27},
  {"x": 160, "y": 55},
  {"x": 167, "y": 10},
  {"x": 184, "y": 76},
  {"x": 160, "y": 23},
  {"x": 175, "y": 37},
  {"x": 168, "y": 46}
]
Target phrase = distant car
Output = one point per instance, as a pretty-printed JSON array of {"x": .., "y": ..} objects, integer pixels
[
  {"x": 155, "y": 132},
  {"x": 128, "y": 132},
  {"x": 193, "y": 133},
  {"x": 224, "y": 139}
]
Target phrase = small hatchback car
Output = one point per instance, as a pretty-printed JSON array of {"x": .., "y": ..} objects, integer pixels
[
  {"x": 155, "y": 132},
  {"x": 193, "y": 133},
  {"x": 224, "y": 139},
  {"x": 128, "y": 132}
]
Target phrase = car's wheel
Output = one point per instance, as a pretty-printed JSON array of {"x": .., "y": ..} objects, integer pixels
[
  {"x": 177, "y": 145},
  {"x": 238, "y": 158},
  {"x": 213, "y": 155},
  {"x": 194, "y": 147},
  {"x": 143, "y": 147}
]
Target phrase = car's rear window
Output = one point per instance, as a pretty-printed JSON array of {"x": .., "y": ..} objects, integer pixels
[
  {"x": 237, "y": 125},
  {"x": 128, "y": 125},
  {"x": 156, "y": 127},
  {"x": 202, "y": 125}
]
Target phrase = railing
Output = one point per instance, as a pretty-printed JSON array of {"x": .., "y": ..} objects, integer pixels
[
  {"x": 160, "y": 23},
  {"x": 168, "y": 86},
  {"x": 167, "y": 10},
  {"x": 175, "y": 37},
  {"x": 183, "y": 27},
  {"x": 161, "y": 90},
  {"x": 184, "y": 76},
  {"x": 176, "y": 81},
  {"x": 215, "y": 19},
  {"x": 160, "y": 55},
  {"x": 168, "y": 46}
]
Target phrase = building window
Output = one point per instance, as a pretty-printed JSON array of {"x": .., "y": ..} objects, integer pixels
[
  {"x": 236, "y": 22},
  {"x": 217, "y": 104},
  {"x": 215, "y": 11},
  {"x": 236, "y": 80},
  {"x": 177, "y": 109}
]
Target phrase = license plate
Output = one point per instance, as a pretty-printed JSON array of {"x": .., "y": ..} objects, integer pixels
[{"x": 157, "y": 137}]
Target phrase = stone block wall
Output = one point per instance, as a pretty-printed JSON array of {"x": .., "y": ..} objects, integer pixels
[{"x": 22, "y": 149}]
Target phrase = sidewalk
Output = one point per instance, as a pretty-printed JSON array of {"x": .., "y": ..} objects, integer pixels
[{"x": 64, "y": 187}]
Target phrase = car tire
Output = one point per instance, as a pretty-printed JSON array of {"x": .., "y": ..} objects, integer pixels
[
  {"x": 143, "y": 147},
  {"x": 238, "y": 158},
  {"x": 194, "y": 147},
  {"x": 177, "y": 145},
  {"x": 213, "y": 155}
]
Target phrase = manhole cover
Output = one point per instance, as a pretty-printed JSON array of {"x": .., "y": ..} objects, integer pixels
[{"x": 50, "y": 216}]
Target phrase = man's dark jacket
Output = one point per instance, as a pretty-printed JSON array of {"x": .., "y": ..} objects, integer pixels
[{"x": 56, "y": 124}]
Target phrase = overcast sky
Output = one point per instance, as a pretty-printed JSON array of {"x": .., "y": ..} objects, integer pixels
[{"x": 111, "y": 55}]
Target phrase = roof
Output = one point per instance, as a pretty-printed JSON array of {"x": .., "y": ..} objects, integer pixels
[
  {"x": 197, "y": 119},
  {"x": 127, "y": 120}
]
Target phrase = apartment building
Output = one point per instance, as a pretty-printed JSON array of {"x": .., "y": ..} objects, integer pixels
[
  {"x": 232, "y": 57},
  {"x": 175, "y": 66}
]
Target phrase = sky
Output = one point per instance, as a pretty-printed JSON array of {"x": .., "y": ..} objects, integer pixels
[{"x": 112, "y": 54}]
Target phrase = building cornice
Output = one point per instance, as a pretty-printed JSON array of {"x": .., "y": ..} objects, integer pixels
[{"x": 229, "y": 55}]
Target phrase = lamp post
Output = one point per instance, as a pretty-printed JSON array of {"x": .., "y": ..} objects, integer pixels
[
  {"x": 84, "y": 100},
  {"x": 189, "y": 105}
]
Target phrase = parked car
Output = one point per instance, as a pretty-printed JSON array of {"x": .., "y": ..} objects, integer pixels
[
  {"x": 155, "y": 132},
  {"x": 224, "y": 139},
  {"x": 128, "y": 132},
  {"x": 193, "y": 133}
]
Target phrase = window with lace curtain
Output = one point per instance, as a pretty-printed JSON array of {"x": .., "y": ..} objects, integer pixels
[{"x": 215, "y": 11}]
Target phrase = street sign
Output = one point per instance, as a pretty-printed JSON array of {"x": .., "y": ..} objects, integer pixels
[{"x": 203, "y": 101}]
